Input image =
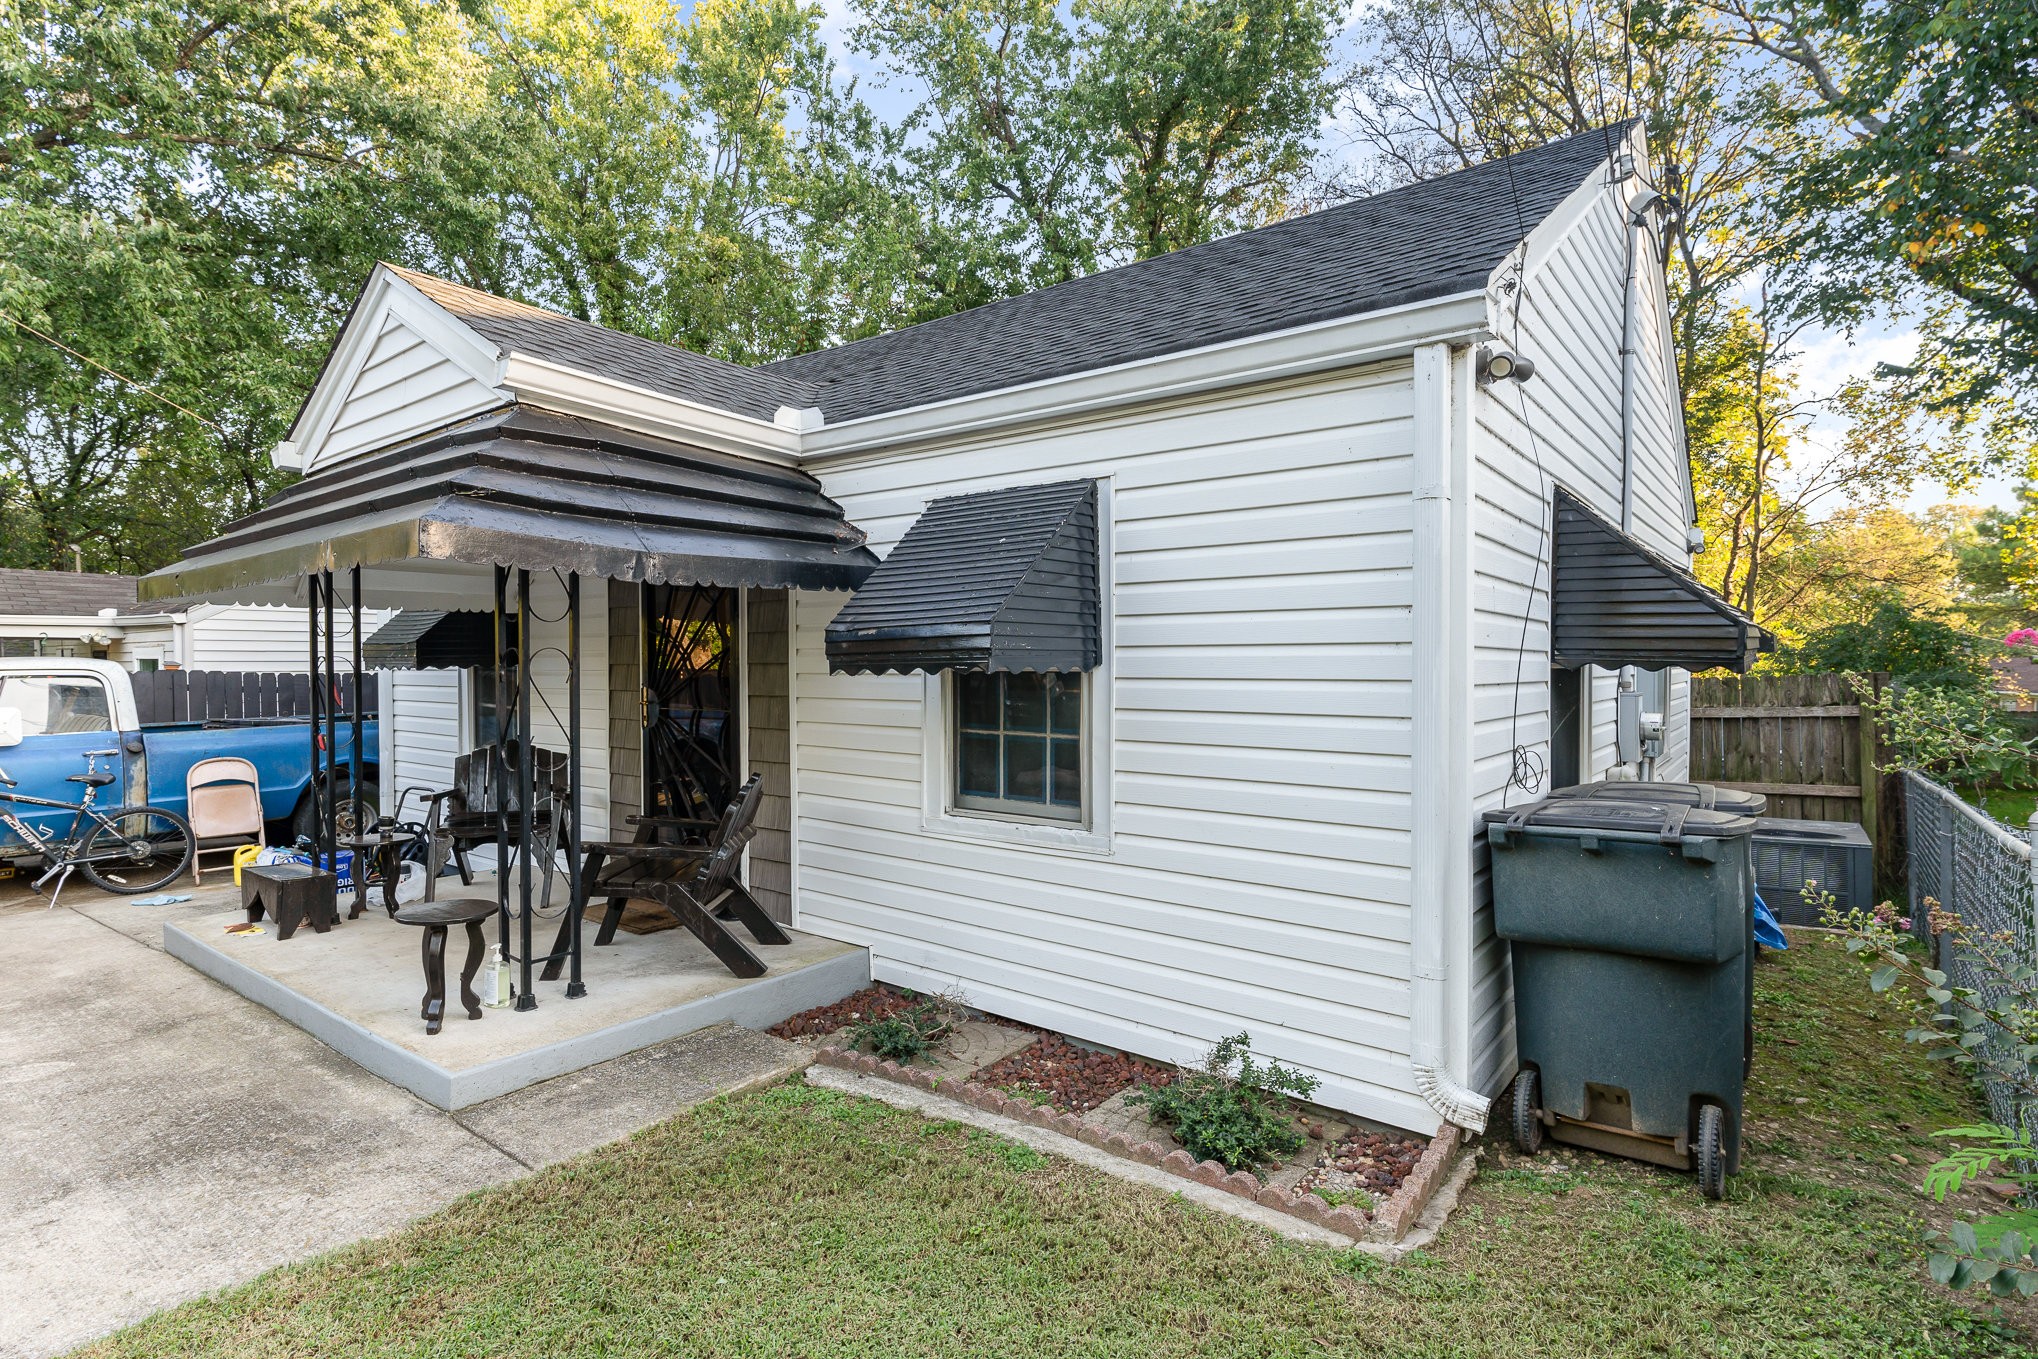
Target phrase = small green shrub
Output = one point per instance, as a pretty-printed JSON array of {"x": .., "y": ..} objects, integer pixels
[
  {"x": 1231, "y": 1110},
  {"x": 910, "y": 1033},
  {"x": 896, "y": 1038}
]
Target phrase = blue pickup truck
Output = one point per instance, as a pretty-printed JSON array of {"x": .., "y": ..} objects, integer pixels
[{"x": 64, "y": 708}]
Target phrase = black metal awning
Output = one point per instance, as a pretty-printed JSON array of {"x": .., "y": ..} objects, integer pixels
[
  {"x": 1615, "y": 602},
  {"x": 536, "y": 490},
  {"x": 996, "y": 580},
  {"x": 435, "y": 639}
]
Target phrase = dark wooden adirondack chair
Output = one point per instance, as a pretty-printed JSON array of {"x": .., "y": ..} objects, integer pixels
[
  {"x": 689, "y": 867},
  {"x": 466, "y": 816}
]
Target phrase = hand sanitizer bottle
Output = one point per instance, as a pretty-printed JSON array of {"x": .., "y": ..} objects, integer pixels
[{"x": 495, "y": 979}]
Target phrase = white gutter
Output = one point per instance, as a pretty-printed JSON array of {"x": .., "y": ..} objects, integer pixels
[
  {"x": 1440, "y": 897},
  {"x": 1319, "y": 347},
  {"x": 574, "y": 391}
]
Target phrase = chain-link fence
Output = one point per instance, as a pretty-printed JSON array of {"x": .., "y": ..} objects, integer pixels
[{"x": 1980, "y": 870}]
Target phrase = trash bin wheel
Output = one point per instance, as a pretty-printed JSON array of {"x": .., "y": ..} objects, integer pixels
[
  {"x": 1528, "y": 1114},
  {"x": 1709, "y": 1152}
]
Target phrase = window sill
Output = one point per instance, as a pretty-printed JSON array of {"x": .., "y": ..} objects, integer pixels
[{"x": 990, "y": 828}]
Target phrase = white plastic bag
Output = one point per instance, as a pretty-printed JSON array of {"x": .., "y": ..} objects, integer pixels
[{"x": 410, "y": 883}]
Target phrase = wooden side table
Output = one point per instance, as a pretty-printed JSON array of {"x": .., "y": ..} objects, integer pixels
[
  {"x": 293, "y": 893},
  {"x": 435, "y": 917},
  {"x": 385, "y": 853}
]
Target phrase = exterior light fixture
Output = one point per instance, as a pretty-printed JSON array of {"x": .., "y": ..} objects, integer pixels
[{"x": 1502, "y": 365}]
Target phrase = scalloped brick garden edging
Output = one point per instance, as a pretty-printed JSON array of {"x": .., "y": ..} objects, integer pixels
[{"x": 1388, "y": 1222}]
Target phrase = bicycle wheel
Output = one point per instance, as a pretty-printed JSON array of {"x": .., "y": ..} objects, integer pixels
[{"x": 135, "y": 850}]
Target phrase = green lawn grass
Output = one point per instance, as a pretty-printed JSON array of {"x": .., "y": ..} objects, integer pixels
[
  {"x": 797, "y": 1221},
  {"x": 2011, "y": 805}
]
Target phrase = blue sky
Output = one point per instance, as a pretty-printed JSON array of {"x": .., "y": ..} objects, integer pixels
[{"x": 1826, "y": 361}]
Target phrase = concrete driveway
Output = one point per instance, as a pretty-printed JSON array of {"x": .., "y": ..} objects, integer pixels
[{"x": 161, "y": 1137}]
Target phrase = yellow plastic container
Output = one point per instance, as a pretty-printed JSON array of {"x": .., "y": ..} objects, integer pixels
[{"x": 244, "y": 856}]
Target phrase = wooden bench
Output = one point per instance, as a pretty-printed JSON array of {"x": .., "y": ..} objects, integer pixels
[{"x": 696, "y": 882}]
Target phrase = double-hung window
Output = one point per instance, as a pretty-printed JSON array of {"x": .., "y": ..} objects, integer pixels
[{"x": 1018, "y": 743}]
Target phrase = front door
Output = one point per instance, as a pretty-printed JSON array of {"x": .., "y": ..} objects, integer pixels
[{"x": 691, "y": 670}]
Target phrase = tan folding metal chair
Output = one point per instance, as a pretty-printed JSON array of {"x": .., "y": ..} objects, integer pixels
[{"x": 224, "y": 804}]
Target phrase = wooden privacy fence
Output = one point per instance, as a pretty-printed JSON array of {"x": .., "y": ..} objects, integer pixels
[
  {"x": 237, "y": 695},
  {"x": 1801, "y": 740}
]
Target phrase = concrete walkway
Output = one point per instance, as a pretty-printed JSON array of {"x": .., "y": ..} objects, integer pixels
[{"x": 160, "y": 1137}]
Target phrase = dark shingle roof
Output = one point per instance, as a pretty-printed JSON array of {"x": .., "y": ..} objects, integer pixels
[
  {"x": 517, "y": 328},
  {"x": 70, "y": 594},
  {"x": 1428, "y": 240}
]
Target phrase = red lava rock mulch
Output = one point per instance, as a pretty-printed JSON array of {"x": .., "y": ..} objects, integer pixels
[
  {"x": 1073, "y": 1078},
  {"x": 872, "y": 1002},
  {"x": 1378, "y": 1161}
]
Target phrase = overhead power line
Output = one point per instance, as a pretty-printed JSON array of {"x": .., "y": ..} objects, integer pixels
[{"x": 117, "y": 377}]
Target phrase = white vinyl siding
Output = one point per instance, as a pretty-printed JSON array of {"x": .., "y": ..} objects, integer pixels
[
  {"x": 405, "y": 387},
  {"x": 268, "y": 637},
  {"x": 1256, "y": 876},
  {"x": 1570, "y": 323},
  {"x": 429, "y": 714},
  {"x": 550, "y": 712},
  {"x": 421, "y": 734}
]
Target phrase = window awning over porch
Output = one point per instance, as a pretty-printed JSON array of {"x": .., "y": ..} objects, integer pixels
[
  {"x": 997, "y": 580},
  {"x": 1614, "y": 602},
  {"x": 538, "y": 491},
  {"x": 434, "y": 639}
]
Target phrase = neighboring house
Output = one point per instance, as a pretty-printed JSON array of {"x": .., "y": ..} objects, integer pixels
[
  {"x": 1219, "y": 594},
  {"x": 88, "y": 615},
  {"x": 2016, "y": 682},
  {"x": 70, "y": 614}
]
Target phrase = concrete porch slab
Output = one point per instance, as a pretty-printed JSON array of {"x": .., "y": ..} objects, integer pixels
[{"x": 358, "y": 987}]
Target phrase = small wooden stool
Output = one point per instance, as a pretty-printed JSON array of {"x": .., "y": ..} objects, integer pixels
[
  {"x": 293, "y": 894},
  {"x": 435, "y": 916}
]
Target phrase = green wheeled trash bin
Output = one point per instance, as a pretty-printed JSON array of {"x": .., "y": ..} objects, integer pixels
[
  {"x": 1630, "y": 924},
  {"x": 1712, "y": 797}
]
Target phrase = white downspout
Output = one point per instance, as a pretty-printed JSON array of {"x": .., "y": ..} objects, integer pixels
[
  {"x": 1627, "y": 381},
  {"x": 1633, "y": 221},
  {"x": 1440, "y": 844}
]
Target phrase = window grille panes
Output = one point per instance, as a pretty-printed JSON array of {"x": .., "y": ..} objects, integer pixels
[{"x": 1019, "y": 744}]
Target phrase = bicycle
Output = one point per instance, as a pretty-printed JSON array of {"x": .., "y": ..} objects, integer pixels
[{"x": 129, "y": 850}]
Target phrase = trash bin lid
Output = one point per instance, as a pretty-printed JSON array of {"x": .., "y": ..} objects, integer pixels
[
  {"x": 1669, "y": 821},
  {"x": 1707, "y": 795}
]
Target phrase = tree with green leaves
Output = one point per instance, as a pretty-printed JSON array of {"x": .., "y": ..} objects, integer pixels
[
  {"x": 1914, "y": 647},
  {"x": 1917, "y": 169},
  {"x": 189, "y": 196},
  {"x": 705, "y": 181},
  {"x": 1054, "y": 140}
]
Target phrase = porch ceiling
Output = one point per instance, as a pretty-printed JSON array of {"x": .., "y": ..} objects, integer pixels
[{"x": 535, "y": 490}]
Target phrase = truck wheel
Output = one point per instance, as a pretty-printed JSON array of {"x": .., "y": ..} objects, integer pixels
[
  {"x": 1528, "y": 1115},
  {"x": 359, "y": 811},
  {"x": 1709, "y": 1151}
]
